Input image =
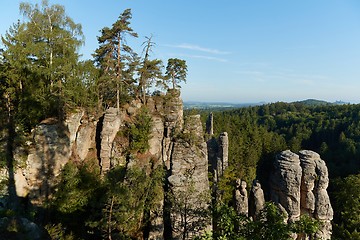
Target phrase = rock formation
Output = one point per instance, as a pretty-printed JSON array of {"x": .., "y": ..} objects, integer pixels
[
  {"x": 285, "y": 182},
  {"x": 189, "y": 182},
  {"x": 256, "y": 200},
  {"x": 210, "y": 125},
  {"x": 298, "y": 183},
  {"x": 110, "y": 127},
  {"x": 314, "y": 197},
  {"x": 241, "y": 198}
]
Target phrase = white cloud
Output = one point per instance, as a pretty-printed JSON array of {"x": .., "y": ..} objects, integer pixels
[
  {"x": 198, "y": 48},
  {"x": 207, "y": 58}
]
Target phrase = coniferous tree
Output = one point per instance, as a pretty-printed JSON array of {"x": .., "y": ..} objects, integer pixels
[
  {"x": 112, "y": 55},
  {"x": 176, "y": 71}
]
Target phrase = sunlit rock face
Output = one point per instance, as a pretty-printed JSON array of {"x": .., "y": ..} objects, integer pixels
[
  {"x": 285, "y": 182},
  {"x": 315, "y": 199},
  {"x": 188, "y": 181},
  {"x": 299, "y": 184},
  {"x": 241, "y": 198}
]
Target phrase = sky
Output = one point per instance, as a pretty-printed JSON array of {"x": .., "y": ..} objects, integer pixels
[{"x": 237, "y": 51}]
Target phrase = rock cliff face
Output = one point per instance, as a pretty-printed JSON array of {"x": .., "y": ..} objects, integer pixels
[
  {"x": 298, "y": 183},
  {"x": 177, "y": 145},
  {"x": 241, "y": 198},
  {"x": 285, "y": 182},
  {"x": 314, "y": 197},
  {"x": 189, "y": 183}
]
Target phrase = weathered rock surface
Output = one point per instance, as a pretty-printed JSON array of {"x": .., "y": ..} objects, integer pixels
[
  {"x": 298, "y": 183},
  {"x": 241, "y": 198},
  {"x": 172, "y": 109},
  {"x": 218, "y": 150},
  {"x": 189, "y": 181},
  {"x": 85, "y": 138},
  {"x": 110, "y": 127},
  {"x": 26, "y": 229},
  {"x": 256, "y": 199},
  {"x": 314, "y": 196},
  {"x": 285, "y": 182},
  {"x": 50, "y": 152},
  {"x": 210, "y": 124}
]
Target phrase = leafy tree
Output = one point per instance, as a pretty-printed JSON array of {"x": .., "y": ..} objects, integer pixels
[
  {"x": 50, "y": 47},
  {"x": 112, "y": 55},
  {"x": 38, "y": 57},
  {"x": 131, "y": 193},
  {"x": 176, "y": 71}
]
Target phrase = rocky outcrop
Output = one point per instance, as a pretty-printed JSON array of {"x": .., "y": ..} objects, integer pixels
[
  {"x": 256, "y": 200},
  {"x": 173, "y": 122},
  {"x": 241, "y": 198},
  {"x": 218, "y": 155},
  {"x": 298, "y": 184},
  {"x": 51, "y": 150},
  {"x": 110, "y": 127},
  {"x": 189, "y": 183},
  {"x": 86, "y": 137},
  {"x": 285, "y": 182},
  {"x": 210, "y": 125},
  {"x": 24, "y": 229},
  {"x": 315, "y": 200}
]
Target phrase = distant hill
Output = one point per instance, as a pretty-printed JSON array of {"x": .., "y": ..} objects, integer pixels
[
  {"x": 315, "y": 102},
  {"x": 218, "y": 105}
]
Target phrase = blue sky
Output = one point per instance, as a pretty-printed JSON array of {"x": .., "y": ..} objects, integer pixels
[{"x": 238, "y": 50}]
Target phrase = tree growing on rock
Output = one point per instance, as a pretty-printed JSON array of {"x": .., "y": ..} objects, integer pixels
[
  {"x": 176, "y": 71},
  {"x": 115, "y": 57}
]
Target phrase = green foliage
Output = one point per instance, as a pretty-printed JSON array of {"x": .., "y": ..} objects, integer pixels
[
  {"x": 140, "y": 132},
  {"x": 56, "y": 231},
  {"x": 176, "y": 71},
  {"x": 116, "y": 60},
  {"x": 270, "y": 225},
  {"x": 149, "y": 70},
  {"x": 347, "y": 199},
  {"x": 228, "y": 224},
  {"x": 130, "y": 194},
  {"x": 76, "y": 189},
  {"x": 306, "y": 226}
]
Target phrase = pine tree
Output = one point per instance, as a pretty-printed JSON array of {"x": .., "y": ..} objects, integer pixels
[{"x": 113, "y": 53}]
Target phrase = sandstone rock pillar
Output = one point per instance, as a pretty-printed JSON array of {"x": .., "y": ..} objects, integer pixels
[
  {"x": 315, "y": 200},
  {"x": 285, "y": 182},
  {"x": 256, "y": 199},
  {"x": 241, "y": 198}
]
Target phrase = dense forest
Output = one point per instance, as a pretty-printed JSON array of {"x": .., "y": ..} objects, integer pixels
[
  {"x": 42, "y": 78},
  {"x": 257, "y": 134}
]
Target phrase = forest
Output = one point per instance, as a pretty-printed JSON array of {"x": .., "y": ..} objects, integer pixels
[
  {"x": 257, "y": 134},
  {"x": 42, "y": 77}
]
